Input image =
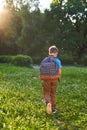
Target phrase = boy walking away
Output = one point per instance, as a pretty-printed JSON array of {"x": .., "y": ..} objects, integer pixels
[{"x": 50, "y": 74}]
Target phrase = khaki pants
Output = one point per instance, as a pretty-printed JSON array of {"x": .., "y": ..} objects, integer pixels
[{"x": 49, "y": 90}]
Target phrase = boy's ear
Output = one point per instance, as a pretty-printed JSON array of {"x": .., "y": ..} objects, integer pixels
[{"x": 49, "y": 53}]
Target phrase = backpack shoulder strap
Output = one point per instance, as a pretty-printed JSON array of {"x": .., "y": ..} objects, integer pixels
[{"x": 46, "y": 59}]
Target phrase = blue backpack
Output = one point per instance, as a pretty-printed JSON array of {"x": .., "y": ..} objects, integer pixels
[{"x": 48, "y": 68}]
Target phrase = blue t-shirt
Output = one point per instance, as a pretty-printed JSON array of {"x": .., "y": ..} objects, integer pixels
[{"x": 58, "y": 62}]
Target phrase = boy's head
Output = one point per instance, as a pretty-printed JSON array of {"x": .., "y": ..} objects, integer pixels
[{"x": 53, "y": 50}]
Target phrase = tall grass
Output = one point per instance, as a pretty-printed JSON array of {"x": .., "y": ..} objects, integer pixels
[{"x": 21, "y": 106}]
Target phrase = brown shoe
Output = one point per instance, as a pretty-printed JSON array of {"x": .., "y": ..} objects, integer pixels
[{"x": 49, "y": 109}]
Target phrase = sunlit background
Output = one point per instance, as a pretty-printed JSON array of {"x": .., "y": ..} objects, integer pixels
[
  {"x": 1, "y": 5},
  {"x": 45, "y": 4},
  {"x": 26, "y": 24},
  {"x": 5, "y": 16}
]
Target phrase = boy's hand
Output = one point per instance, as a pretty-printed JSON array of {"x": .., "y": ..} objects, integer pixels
[{"x": 58, "y": 79}]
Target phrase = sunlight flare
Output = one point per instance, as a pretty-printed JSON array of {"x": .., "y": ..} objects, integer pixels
[{"x": 1, "y": 5}]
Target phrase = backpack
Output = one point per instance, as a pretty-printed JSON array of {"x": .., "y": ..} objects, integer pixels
[{"x": 48, "y": 68}]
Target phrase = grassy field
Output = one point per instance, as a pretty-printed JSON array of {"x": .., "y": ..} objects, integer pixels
[{"x": 21, "y": 95}]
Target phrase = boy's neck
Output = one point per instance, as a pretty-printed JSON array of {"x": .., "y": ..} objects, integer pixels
[{"x": 53, "y": 54}]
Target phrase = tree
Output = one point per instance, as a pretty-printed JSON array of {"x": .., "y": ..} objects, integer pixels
[
  {"x": 18, "y": 29},
  {"x": 77, "y": 14},
  {"x": 69, "y": 25}
]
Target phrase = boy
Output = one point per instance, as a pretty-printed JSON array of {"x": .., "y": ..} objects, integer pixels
[{"x": 50, "y": 82}]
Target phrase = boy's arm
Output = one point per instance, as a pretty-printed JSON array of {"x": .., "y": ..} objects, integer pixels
[
  {"x": 58, "y": 62},
  {"x": 59, "y": 72}
]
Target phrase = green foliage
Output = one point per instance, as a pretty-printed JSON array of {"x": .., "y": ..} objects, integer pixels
[
  {"x": 19, "y": 60},
  {"x": 22, "y": 60},
  {"x": 5, "y": 59},
  {"x": 66, "y": 59},
  {"x": 21, "y": 106},
  {"x": 84, "y": 59},
  {"x": 36, "y": 59},
  {"x": 70, "y": 23},
  {"x": 23, "y": 31}
]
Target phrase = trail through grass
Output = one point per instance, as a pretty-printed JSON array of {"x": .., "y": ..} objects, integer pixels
[{"x": 21, "y": 95}]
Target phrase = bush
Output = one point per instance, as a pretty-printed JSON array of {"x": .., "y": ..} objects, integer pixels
[
  {"x": 22, "y": 60},
  {"x": 36, "y": 59},
  {"x": 19, "y": 60},
  {"x": 67, "y": 60},
  {"x": 5, "y": 59},
  {"x": 84, "y": 60}
]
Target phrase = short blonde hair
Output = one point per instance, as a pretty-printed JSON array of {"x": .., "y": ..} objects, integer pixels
[{"x": 53, "y": 49}]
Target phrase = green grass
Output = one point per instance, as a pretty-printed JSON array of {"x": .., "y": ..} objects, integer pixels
[{"x": 21, "y": 106}]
